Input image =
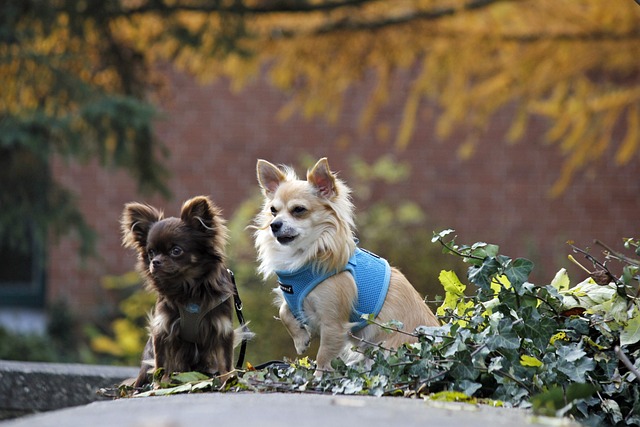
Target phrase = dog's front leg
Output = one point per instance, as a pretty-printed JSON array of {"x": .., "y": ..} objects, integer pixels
[
  {"x": 147, "y": 358},
  {"x": 298, "y": 332},
  {"x": 333, "y": 341},
  {"x": 161, "y": 361},
  {"x": 330, "y": 303}
]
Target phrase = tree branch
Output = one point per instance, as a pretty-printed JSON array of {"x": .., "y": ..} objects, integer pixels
[
  {"x": 241, "y": 9},
  {"x": 351, "y": 25}
]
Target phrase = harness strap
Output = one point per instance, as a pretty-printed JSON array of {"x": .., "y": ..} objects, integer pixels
[{"x": 190, "y": 317}]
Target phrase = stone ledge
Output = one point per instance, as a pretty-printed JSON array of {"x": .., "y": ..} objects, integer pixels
[{"x": 27, "y": 387}]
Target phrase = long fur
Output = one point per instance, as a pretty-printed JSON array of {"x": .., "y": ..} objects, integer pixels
[
  {"x": 312, "y": 222},
  {"x": 182, "y": 261}
]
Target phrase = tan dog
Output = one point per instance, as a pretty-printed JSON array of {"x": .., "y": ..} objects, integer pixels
[{"x": 305, "y": 236}]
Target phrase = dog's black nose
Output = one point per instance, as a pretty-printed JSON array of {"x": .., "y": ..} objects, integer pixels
[
  {"x": 276, "y": 226},
  {"x": 156, "y": 262}
]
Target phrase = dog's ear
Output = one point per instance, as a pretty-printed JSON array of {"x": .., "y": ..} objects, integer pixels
[
  {"x": 269, "y": 176},
  {"x": 136, "y": 222},
  {"x": 322, "y": 178},
  {"x": 200, "y": 213}
]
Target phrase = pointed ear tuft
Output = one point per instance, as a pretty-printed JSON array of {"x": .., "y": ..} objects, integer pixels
[
  {"x": 200, "y": 213},
  {"x": 320, "y": 176},
  {"x": 269, "y": 176},
  {"x": 136, "y": 221}
]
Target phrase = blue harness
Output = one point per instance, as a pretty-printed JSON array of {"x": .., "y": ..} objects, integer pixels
[{"x": 370, "y": 272}]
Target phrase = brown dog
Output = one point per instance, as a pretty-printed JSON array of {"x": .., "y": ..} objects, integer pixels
[
  {"x": 182, "y": 260},
  {"x": 305, "y": 236}
]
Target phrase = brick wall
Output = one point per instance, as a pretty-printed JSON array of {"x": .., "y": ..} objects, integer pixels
[{"x": 215, "y": 136}]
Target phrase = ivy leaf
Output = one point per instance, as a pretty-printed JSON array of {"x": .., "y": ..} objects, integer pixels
[
  {"x": 612, "y": 407},
  {"x": 526, "y": 360},
  {"x": 202, "y": 385},
  {"x": 468, "y": 387},
  {"x": 504, "y": 337},
  {"x": 463, "y": 369},
  {"x": 630, "y": 333},
  {"x": 499, "y": 283},
  {"x": 182, "y": 388},
  {"x": 454, "y": 295},
  {"x": 441, "y": 235},
  {"x": 482, "y": 275},
  {"x": 629, "y": 272},
  {"x": 187, "y": 377},
  {"x": 537, "y": 328},
  {"x": 573, "y": 363},
  {"x": 496, "y": 364},
  {"x": 349, "y": 386},
  {"x": 508, "y": 341},
  {"x": 518, "y": 273},
  {"x": 484, "y": 250},
  {"x": 561, "y": 280},
  {"x": 571, "y": 352}
]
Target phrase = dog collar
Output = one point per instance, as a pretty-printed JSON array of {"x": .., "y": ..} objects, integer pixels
[
  {"x": 370, "y": 272},
  {"x": 191, "y": 315}
]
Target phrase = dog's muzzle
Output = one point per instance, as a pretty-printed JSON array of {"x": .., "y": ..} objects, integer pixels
[{"x": 283, "y": 233}]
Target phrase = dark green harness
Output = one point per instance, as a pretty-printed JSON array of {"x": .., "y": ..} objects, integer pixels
[
  {"x": 190, "y": 317},
  {"x": 192, "y": 314}
]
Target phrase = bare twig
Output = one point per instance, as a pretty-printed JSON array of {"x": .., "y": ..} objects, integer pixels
[
  {"x": 373, "y": 344},
  {"x": 617, "y": 255},
  {"x": 624, "y": 359},
  {"x": 599, "y": 264},
  {"x": 460, "y": 254},
  {"x": 390, "y": 328}
]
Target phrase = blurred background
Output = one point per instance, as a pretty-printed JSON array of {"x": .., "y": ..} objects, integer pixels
[{"x": 513, "y": 122}]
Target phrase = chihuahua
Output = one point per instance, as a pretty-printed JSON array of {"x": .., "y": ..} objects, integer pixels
[
  {"x": 328, "y": 286},
  {"x": 182, "y": 260}
]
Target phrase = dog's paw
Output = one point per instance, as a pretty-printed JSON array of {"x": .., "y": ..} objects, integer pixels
[
  {"x": 301, "y": 340},
  {"x": 320, "y": 370},
  {"x": 302, "y": 343}
]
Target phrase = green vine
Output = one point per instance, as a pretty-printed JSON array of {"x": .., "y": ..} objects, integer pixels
[{"x": 562, "y": 350}]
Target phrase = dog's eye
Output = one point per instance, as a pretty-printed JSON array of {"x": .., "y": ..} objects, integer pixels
[
  {"x": 176, "y": 251},
  {"x": 274, "y": 211},
  {"x": 298, "y": 210},
  {"x": 151, "y": 253}
]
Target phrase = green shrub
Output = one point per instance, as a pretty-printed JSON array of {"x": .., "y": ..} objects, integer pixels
[{"x": 563, "y": 350}]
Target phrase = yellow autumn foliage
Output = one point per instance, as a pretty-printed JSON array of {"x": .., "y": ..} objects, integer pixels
[{"x": 572, "y": 62}]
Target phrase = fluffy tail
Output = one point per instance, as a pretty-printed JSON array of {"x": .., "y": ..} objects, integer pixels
[{"x": 242, "y": 333}]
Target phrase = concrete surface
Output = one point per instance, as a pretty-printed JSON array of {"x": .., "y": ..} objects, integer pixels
[
  {"x": 45, "y": 388},
  {"x": 27, "y": 387},
  {"x": 279, "y": 410}
]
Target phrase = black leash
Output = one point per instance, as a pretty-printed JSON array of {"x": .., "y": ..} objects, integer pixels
[
  {"x": 238, "y": 305},
  {"x": 278, "y": 364}
]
